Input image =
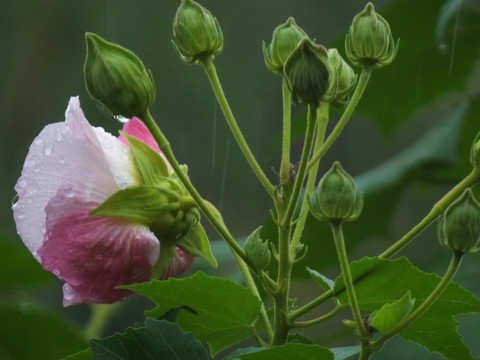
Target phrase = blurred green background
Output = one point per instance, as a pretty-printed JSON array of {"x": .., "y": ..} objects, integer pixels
[{"x": 431, "y": 88}]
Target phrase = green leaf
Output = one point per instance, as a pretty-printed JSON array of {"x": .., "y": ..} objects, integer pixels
[
  {"x": 225, "y": 310},
  {"x": 149, "y": 163},
  {"x": 29, "y": 332},
  {"x": 343, "y": 353},
  {"x": 382, "y": 281},
  {"x": 158, "y": 339},
  {"x": 196, "y": 243},
  {"x": 290, "y": 351},
  {"x": 393, "y": 313},
  {"x": 81, "y": 355},
  {"x": 324, "y": 282},
  {"x": 140, "y": 203},
  {"x": 18, "y": 268}
]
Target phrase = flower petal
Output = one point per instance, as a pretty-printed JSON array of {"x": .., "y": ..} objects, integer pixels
[
  {"x": 136, "y": 128},
  {"x": 181, "y": 262},
  {"x": 72, "y": 155},
  {"x": 94, "y": 254}
]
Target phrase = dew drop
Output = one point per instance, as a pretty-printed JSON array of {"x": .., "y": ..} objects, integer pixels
[
  {"x": 22, "y": 183},
  {"x": 56, "y": 272},
  {"x": 69, "y": 193},
  {"x": 58, "y": 136},
  {"x": 47, "y": 150},
  {"x": 121, "y": 118},
  {"x": 38, "y": 141},
  {"x": 62, "y": 159}
]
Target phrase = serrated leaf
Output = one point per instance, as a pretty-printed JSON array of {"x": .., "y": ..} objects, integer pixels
[
  {"x": 290, "y": 351},
  {"x": 393, "y": 313},
  {"x": 81, "y": 355},
  {"x": 158, "y": 339},
  {"x": 196, "y": 243},
  {"x": 149, "y": 163},
  {"x": 343, "y": 353},
  {"x": 324, "y": 282},
  {"x": 29, "y": 332},
  {"x": 226, "y": 311},
  {"x": 381, "y": 281}
]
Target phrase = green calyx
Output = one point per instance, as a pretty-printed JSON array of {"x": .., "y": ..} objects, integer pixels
[
  {"x": 475, "y": 152},
  {"x": 343, "y": 79},
  {"x": 308, "y": 74},
  {"x": 335, "y": 198},
  {"x": 257, "y": 250},
  {"x": 286, "y": 38},
  {"x": 117, "y": 78},
  {"x": 459, "y": 227},
  {"x": 369, "y": 41},
  {"x": 196, "y": 33}
]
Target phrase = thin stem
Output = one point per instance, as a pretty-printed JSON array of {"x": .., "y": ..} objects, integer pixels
[
  {"x": 347, "y": 276},
  {"x": 217, "y": 222},
  {"x": 357, "y": 94},
  {"x": 442, "y": 285},
  {"x": 311, "y": 120},
  {"x": 311, "y": 305},
  {"x": 99, "y": 317},
  {"x": 222, "y": 101},
  {"x": 470, "y": 180},
  {"x": 327, "y": 316},
  {"x": 322, "y": 121},
  {"x": 287, "y": 107}
]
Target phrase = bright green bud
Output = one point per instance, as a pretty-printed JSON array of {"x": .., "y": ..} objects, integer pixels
[
  {"x": 196, "y": 33},
  {"x": 369, "y": 41},
  {"x": 164, "y": 208},
  {"x": 343, "y": 79},
  {"x": 117, "y": 79},
  {"x": 286, "y": 38},
  {"x": 335, "y": 197},
  {"x": 308, "y": 74},
  {"x": 459, "y": 226},
  {"x": 475, "y": 152},
  {"x": 257, "y": 250}
]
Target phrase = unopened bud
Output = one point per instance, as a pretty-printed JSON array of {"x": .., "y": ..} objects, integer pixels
[
  {"x": 117, "y": 79},
  {"x": 459, "y": 226},
  {"x": 196, "y": 32},
  {"x": 308, "y": 73},
  {"x": 344, "y": 78},
  {"x": 369, "y": 41},
  {"x": 335, "y": 197},
  {"x": 285, "y": 39},
  {"x": 257, "y": 250}
]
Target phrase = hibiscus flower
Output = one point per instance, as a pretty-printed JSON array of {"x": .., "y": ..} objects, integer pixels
[{"x": 71, "y": 169}]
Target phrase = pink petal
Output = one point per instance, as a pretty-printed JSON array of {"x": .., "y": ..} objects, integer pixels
[
  {"x": 94, "y": 254},
  {"x": 84, "y": 161},
  {"x": 136, "y": 128},
  {"x": 181, "y": 262}
]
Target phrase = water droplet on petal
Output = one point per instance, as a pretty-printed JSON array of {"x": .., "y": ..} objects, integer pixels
[
  {"x": 22, "y": 183},
  {"x": 58, "y": 136},
  {"x": 47, "y": 150},
  {"x": 62, "y": 159},
  {"x": 56, "y": 272},
  {"x": 38, "y": 141},
  {"x": 69, "y": 193},
  {"x": 121, "y": 118}
]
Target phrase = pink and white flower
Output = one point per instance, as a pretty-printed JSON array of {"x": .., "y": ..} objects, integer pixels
[{"x": 72, "y": 168}]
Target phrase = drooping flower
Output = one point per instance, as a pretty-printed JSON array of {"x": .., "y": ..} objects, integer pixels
[{"x": 71, "y": 169}]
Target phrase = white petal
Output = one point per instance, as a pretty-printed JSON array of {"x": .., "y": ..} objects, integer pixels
[{"x": 66, "y": 155}]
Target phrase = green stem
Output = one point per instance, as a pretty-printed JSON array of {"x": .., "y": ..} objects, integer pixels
[
  {"x": 311, "y": 305},
  {"x": 347, "y": 276},
  {"x": 357, "y": 94},
  {"x": 322, "y": 121},
  {"x": 438, "y": 209},
  {"x": 222, "y": 100},
  {"x": 99, "y": 316},
  {"x": 285, "y": 177},
  {"x": 217, "y": 222},
  {"x": 442, "y": 285},
  {"x": 327, "y": 316}
]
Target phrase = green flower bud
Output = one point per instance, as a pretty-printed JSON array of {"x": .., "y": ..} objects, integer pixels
[
  {"x": 308, "y": 74},
  {"x": 475, "y": 152},
  {"x": 335, "y": 197},
  {"x": 369, "y": 41},
  {"x": 286, "y": 38},
  {"x": 117, "y": 79},
  {"x": 344, "y": 78},
  {"x": 196, "y": 33},
  {"x": 459, "y": 226},
  {"x": 257, "y": 250}
]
